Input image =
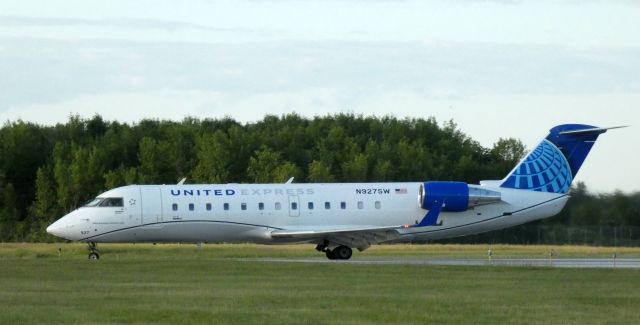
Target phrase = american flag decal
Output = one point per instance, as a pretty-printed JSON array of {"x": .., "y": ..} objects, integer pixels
[{"x": 401, "y": 191}]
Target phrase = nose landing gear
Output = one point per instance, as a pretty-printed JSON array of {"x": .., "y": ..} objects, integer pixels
[{"x": 94, "y": 254}]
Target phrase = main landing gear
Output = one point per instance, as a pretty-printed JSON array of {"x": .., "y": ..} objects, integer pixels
[
  {"x": 339, "y": 253},
  {"x": 94, "y": 254}
]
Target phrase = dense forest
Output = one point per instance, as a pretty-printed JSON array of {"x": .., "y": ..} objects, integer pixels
[{"x": 46, "y": 171}]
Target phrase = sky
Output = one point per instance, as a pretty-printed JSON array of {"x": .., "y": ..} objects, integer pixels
[{"x": 498, "y": 69}]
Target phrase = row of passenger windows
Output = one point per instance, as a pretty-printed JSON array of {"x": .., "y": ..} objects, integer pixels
[{"x": 278, "y": 206}]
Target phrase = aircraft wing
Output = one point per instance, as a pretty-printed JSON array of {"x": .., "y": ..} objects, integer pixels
[{"x": 360, "y": 238}]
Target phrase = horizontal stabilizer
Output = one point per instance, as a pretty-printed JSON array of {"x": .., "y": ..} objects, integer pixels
[{"x": 593, "y": 130}]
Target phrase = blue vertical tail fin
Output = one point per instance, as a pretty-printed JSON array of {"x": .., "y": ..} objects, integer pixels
[{"x": 554, "y": 163}]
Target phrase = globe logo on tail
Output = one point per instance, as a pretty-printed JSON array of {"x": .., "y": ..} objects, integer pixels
[{"x": 545, "y": 170}]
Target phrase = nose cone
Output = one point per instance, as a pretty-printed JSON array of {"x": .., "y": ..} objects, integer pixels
[
  {"x": 62, "y": 228},
  {"x": 55, "y": 229}
]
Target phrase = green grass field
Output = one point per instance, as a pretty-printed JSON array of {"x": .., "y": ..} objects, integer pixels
[{"x": 213, "y": 284}]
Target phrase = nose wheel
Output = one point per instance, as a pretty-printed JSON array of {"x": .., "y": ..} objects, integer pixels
[{"x": 94, "y": 254}]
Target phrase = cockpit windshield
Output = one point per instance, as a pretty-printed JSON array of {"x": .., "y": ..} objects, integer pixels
[
  {"x": 112, "y": 202},
  {"x": 105, "y": 202},
  {"x": 94, "y": 202}
]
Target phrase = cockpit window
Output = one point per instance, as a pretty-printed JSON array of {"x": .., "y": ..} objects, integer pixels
[
  {"x": 94, "y": 202},
  {"x": 112, "y": 202}
]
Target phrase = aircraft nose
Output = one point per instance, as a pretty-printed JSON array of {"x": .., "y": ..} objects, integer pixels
[
  {"x": 60, "y": 228},
  {"x": 55, "y": 229}
]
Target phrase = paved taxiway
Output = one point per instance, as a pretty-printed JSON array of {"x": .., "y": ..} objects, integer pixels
[{"x": 552, "y": 262}]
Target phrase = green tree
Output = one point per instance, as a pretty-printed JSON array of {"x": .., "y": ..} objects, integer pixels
[
  {"x": 120, "y": 177},
  {"x": 23, "y": 148},
  {"x": 266, "y": 166},
  {"x": 356, "y": 169},
  {"x": 285, "y": 171},
  {"x": 79, "y": 176},
  {"x": 157, "y": 162},
  {"x": 96, "y": 126},
  {"x": 61, "y": 175},
  {"x": 44, "y": 209},
  {"x": 382, "y": 171},
  {"x": 506, "y": 155},
  {"x": 214, "y": 158},
  {"x": 319, "y": 172},
  {"x": 10, "y": 228}
]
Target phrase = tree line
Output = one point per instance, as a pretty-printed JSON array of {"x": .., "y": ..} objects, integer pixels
[{"x": 46, "y": 171}]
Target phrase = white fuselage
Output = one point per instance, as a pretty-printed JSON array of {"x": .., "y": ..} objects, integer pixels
[{"x": 250, "y": 212}]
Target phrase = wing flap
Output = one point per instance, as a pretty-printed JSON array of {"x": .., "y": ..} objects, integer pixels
[{"x": 360, "y": 238}]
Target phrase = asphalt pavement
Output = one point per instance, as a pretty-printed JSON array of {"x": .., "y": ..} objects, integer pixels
[{"x": 623, "y": 263}]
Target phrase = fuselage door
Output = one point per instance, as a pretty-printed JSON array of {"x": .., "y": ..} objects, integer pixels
[
  {"x": 294, "y": 206},
  {"x": 130, "y": 211},
  {"x": 151, "y": 204}
]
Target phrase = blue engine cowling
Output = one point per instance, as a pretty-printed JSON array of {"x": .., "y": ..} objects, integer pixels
[{"x": 451, "y": 196}]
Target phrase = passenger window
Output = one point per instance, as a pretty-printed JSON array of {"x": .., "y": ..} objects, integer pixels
[
  {"x": 343, "y": 205},
  {"x": 327, "y": 205},
  {"x": 360, "y": 205},
  {"x": 294, "y": 206},
  {"x": 174, "y": 207},
  {"x": 378, "y": 204},
  {"x": 226, "y": 206},
  {"x": 191, "y": 207},
  {"x": 310, "y": 205},
  {"x": 278, "y": 206},
  {"x": 112, "y": 202},
  {"x": 208, "y": 206},
  {"x": 243, "y": 206},
  {"x": 260, "y": 206}
]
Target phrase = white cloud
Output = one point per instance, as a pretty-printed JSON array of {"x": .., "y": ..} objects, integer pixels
[
  {"x": 40, "y": 71},
  {"x": 564, "y": 23}
]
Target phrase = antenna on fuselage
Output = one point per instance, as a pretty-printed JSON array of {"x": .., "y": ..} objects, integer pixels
[
  {"x": 181, "y": 182},
  {"x": 290, "y": 180}
]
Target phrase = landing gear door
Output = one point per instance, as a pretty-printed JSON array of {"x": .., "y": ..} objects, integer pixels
[{"x": 151, "y": 204}]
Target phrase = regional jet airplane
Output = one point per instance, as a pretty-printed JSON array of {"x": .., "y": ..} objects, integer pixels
[{"x": 335, "y": 217}]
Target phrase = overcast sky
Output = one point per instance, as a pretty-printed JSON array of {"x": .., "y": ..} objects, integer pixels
[{"x": 497, "y": 68}]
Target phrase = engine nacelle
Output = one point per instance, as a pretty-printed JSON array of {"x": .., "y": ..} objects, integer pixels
[
  {"x": 452, "y": 196},
  {"x": 455, "y": 196}
]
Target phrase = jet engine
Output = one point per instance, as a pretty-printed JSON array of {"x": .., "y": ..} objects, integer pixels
[{"x": 454, "y": 196}]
